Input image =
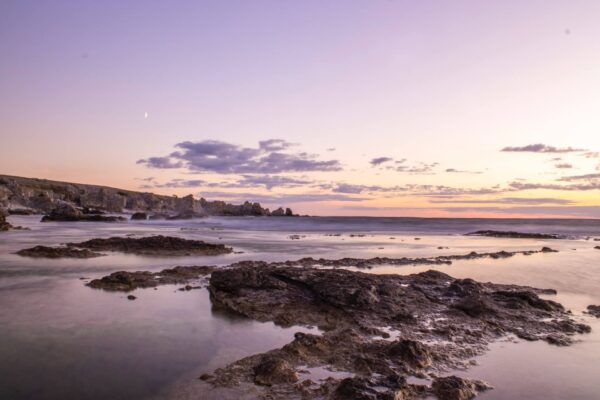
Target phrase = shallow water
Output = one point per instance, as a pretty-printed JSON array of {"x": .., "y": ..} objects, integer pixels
[{"x": 60, "y": 339}]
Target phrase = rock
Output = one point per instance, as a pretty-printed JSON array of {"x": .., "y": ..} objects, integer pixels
[
  {"x": 131, "y": 297},
  {"x": 514, "y": 235},
  {"x": 57, "y": 252},
  {"x": 21, "y": 211},
  {"x": 4, "y": 225},
  {"x": 159, "y": 216},
  {"x": 66, "y": 212},
  {"x": 594, "y": 310},
  {"x": 126, "y": 281},
  {"x": 155, "y": 246},
  {"x": 278, "y": 213},
  {"x": 139, "y": 216},
  {"x": 414, "y": 353},
  {"x": 597, "y": 247},
  {"x": 271, "y": 371},
  {"x": 455, "y": 388}
]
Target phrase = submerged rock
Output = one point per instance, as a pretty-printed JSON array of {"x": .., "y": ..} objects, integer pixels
[
  {"x": 154, "y": 245},
  {"x": 57, "y": 252},
  {"x": 514, "y": 235}
]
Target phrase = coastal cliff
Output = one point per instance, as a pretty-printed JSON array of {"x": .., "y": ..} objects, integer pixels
[{"x": 31, "y": 195}]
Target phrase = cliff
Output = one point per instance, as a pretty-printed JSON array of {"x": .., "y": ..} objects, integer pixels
[{"x": 21, "y": 195}]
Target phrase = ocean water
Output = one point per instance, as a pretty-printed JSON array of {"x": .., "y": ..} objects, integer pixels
[{"x": 60, "y": 339}]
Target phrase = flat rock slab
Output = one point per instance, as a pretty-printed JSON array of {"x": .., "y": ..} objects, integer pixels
[
  {"x": 154, "y": 246},
  {"x": 125, "y": 281},
  {"x": 57, "y": 252}
]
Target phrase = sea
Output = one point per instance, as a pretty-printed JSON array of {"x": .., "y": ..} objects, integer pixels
[{"x": 62, "y": 340}]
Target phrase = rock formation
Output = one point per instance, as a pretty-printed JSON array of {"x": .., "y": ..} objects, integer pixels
[{"x": 43, "y": 196}]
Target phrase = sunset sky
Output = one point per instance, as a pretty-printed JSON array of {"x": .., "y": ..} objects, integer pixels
[{"x": 395, "y": 108}]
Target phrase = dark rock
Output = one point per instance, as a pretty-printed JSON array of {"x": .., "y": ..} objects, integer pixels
[
  {"x": 154, "y": 245},
  {"x": 57, "y": 252},
  {"x": 139, "y": 216},
  {"x": 594, "y": 310},
  {"x": 21, "y": 211},
  {"x": 514, "y": 235},
  {"x": 455, "y": 388},
  {"x": 65, "y": 212},
  {"x": 414, "y": 353},
  {"x": 272, "y": 371},
  {"x": 4, "y": 225},
  {"x": 126, "y": 281},
  {"x": 278, "y": 213},
  {"x": 597, "y": 247},
  {"x": 131, "y": 297},
  {"x": 159, "y": 216},
  {"x": 475, "y": 305}
]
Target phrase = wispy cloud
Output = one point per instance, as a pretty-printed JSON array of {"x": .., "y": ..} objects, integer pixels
[
  {"x": 380, "y": 160},
  {"x": 552, "y": 186},
  {"x": 461, "y": 171},
  {"x": 585, "y": 177},
  {"x": 541, "y": 148},
  {"x": 506, "y": 200},
  {"x": 563, "y": 166},
  {"x": 282, "y": 198},
  {"x": 269, "y": 157}
]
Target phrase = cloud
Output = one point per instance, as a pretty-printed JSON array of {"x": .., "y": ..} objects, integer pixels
[
  {"x": 506, "y": 200},
  {"x": 268, "y": 181},
  {"x": 586, "y": 177},
  {"x": 541, "y": 148},
  {"x": 419, "y": 169},
  {"x": 274, "y": 144},
  {"x": 181, "y": 183},
  {"x": 161, "y": 162},
  {"x": 461, "y": 171},
  {"x": 380, "y": 160},
  {"x": 226, "y": 158},
  {"x": 563, "y": 166},
  {"x": 282, "y": 198},
  {"x": 356, "y": 189},
  {"x": 552, "y": 186}
]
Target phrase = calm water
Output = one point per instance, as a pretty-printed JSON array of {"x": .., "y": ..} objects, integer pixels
[{"x": 59, "y": 339}]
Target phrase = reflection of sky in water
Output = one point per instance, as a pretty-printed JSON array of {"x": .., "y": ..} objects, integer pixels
[{"x": 63, "y": 340}]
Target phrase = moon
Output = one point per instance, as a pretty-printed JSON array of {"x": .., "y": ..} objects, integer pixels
[{"x": 145, "y": 115}]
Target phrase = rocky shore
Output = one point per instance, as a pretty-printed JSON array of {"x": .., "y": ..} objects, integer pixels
[
  {"x": 375, "y": 336},
  {"x": 380, "y": 331},
  {"x": 41, "y": 196}
]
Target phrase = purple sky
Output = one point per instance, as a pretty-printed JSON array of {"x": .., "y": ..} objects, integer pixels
[{"x": 87, "y": 89}]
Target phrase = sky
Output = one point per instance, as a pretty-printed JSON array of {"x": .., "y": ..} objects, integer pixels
[{"x": 384, "y": 108}]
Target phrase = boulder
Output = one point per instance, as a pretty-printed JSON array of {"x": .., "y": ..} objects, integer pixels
[
  {"x": 455, "y": 388},
  {"x": 139, "y": 216},
  {"x": 272, "y": 370}
]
